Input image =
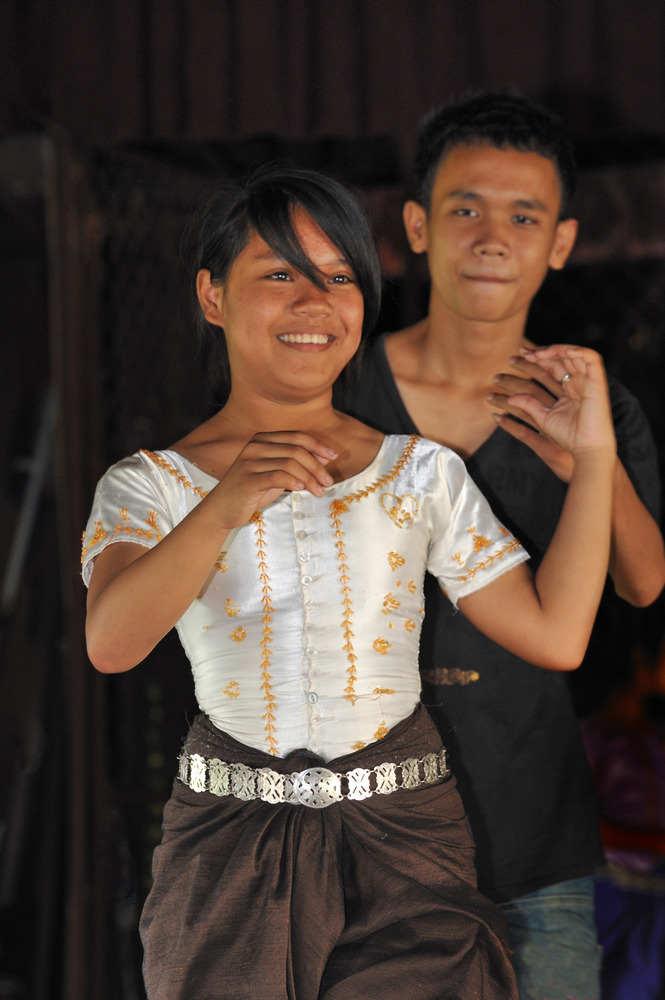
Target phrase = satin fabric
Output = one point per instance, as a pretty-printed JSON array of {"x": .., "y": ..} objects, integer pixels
[{"x": 306, "y": 632}]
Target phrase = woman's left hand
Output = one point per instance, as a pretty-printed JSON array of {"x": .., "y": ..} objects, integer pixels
[{"x": 561, "y": 394}]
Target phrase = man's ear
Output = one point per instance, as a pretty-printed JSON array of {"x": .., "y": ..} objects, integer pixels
[
  {"x": 564, "y": 241},
  {"x": 210, "y": 298},
  {"x": 415, "y": 224}
]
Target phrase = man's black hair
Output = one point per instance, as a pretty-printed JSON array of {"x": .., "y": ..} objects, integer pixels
[{"x": 502, "y": 119}]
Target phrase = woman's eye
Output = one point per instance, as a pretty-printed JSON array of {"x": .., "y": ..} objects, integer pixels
[
  {"x": 280, "y": 276},
  {"x": 341, "y": 279}
]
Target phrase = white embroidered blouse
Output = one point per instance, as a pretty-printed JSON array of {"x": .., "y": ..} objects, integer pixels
[{"x": 306, "y": 632}]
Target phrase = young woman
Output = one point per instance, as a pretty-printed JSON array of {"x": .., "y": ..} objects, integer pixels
[{"x": 314, "y": 845}]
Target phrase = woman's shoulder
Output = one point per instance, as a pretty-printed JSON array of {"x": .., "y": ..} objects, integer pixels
[{"x": 164, "y": 468}]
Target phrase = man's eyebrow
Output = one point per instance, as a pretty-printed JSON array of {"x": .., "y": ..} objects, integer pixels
[
  {"x": 533, "y": 204},
  {"x": 465, "y": 194}
]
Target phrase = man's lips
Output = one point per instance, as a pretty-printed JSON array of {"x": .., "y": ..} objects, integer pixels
[{"x": 498, "y": 279}]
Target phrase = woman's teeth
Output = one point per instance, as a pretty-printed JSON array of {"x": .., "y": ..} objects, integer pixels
[{"x": 304, "y": 338}]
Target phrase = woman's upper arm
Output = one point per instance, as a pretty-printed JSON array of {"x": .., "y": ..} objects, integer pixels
[{"x": 111, "y": 561}]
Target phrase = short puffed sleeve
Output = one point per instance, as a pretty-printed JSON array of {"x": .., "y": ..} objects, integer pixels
[
  {"x": 470, "y": 547},
  {"x": 131, "y": 504}
]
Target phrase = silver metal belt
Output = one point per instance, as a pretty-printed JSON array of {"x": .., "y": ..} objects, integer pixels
[{"x": 317, "y": 787}]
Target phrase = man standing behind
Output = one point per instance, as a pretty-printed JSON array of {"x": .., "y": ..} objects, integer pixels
[{"x": 494, "y": 178}]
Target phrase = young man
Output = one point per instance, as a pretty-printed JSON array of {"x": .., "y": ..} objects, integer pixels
[{"x": 494, "y": 180}]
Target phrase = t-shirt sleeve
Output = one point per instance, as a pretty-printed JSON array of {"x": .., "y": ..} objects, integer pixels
[
  {"x": 129, "y": 506},
  {"x": 470, "y": 547}
]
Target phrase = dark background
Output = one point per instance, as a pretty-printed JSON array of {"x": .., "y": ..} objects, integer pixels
[{"x": 115, "y": 117}]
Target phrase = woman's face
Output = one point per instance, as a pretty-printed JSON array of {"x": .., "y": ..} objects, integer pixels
[{"x": 286, "y": 338}]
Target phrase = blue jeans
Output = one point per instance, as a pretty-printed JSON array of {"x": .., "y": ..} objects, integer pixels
[{"x": 553, "y": 936}]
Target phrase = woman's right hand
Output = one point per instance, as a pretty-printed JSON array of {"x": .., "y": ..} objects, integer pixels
[{"x": 269, "y": 464}]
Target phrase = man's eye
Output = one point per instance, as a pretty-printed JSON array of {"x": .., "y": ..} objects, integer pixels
[
  {"x": 524, "y": 220},
  {"x": 465, "y": 212}
]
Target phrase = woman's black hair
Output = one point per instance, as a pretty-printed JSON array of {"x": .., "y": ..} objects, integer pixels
[{"x": 264, "y": 204}]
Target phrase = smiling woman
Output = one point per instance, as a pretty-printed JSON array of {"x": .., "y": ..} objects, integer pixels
[
  {"x": 279, "y": 321},
  {"x": 315, "y": 845}
]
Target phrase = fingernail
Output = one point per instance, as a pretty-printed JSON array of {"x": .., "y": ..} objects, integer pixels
[{"x": 498, "y": 417}]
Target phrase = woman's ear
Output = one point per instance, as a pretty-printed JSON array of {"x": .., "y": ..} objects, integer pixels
[
  {"x": 415, "y": 224},
  {"x": 210, "y": 298}
]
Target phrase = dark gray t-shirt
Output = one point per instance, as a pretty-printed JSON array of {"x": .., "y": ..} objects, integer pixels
[{"x": 512, "y": 733}]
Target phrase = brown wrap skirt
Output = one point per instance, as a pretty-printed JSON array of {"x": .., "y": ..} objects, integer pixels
[{"x": 363, "y": 899}]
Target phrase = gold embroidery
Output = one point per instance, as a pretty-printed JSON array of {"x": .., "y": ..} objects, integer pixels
[
  {"x": 347, "y": 604},
  {"x": 238, "y": 634},
  {"x": 360, "y": 745},
  {"x": 381, "y": 732},
  {"x": 266, "y": 638},
  {"x": 412, "y": 587},
  {"x": 231, "y": 607},
  {"x": 402, "y": 510},
  {"x": 162, "y": 463},
  {"x": 98, "y": 536},
  {"x": 381, "y": 646},
  {"x": 443, "y": 675},
  {"x": 122, "y": 528},
  {"x": 391, "y": 624},
  {"x": 232, "y": 690},
  {"x": 221, "y": 564},
  {"x": 390, "y": 603},
  {"x": 380, "y": 690},
  {"x": 341, "y": 506},
  {"x": 480, "y": 542},
  {"x": 409, "y": 625},
  {"x": 395, "y": 560},
  {"x": 337, "y": 508},
  {"x": 512, "y": 546}
]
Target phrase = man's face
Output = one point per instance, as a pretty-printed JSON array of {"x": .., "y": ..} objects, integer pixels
[{"x": 491, "y": 233}]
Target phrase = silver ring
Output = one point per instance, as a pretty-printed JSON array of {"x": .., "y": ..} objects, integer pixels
[{"x": 565, "y": 378}]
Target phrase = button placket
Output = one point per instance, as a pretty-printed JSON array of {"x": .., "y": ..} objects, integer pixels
[{"x": 303, "y": 539}]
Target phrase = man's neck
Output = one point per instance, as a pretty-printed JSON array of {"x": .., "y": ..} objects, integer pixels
[
  {"x": 466, "y": 353},
  {"x": 443, "y": 372}
]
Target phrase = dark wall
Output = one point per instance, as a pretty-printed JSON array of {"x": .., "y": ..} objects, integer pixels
[{"x": 116, "y": 70}]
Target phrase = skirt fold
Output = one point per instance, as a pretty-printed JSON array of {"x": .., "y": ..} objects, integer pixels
[{"x": 254, "y": 901}]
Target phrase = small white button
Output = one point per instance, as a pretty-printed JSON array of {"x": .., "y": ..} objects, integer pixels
[
  {"x": 309, "y": 604},
  {"x": 311, "y": 651},
  {"x": 312, "y": 698},
  {"x": 303, "y": 557},
  {"x": 307, "y": 580},
  {"x": 316, "y": 719},
  {"x": 301, "y": 534},
  {"x": 309, "y": 628}
]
